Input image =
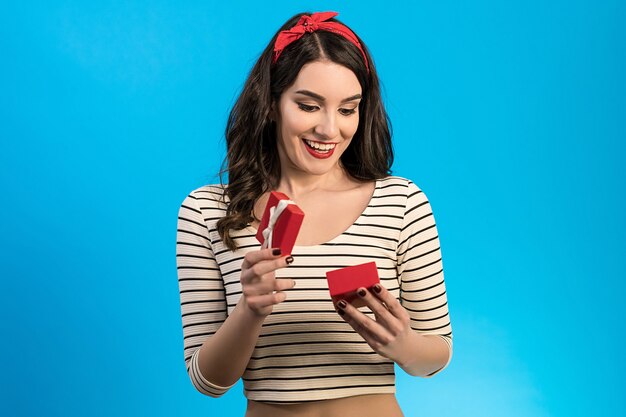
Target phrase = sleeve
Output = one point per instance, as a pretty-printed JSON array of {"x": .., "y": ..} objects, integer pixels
[
  {"x": 202, "y": 297},
  {"x": 420, "y": 271}
]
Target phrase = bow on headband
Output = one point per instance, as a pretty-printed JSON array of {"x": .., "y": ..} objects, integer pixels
[{"x": 317, "y": 21}]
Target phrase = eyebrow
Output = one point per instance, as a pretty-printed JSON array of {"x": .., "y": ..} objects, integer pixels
[{"x": 322, "y": 99}]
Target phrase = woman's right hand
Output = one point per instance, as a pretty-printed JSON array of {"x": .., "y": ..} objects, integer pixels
[{"x": 261, "y": 289}]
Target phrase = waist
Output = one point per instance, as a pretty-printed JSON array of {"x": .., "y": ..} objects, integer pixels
[{"x": 369, "y": 405}]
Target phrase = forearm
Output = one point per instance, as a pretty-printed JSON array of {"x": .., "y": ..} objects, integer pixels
[
  {"x": 424, "y": 354},
  {"x": 224, "y": 356}
]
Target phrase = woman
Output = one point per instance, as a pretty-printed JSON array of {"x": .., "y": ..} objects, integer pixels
[{"x": 310, "y": 122}]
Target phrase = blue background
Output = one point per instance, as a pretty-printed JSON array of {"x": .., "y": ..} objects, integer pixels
[{"x": 509, "y": 115}]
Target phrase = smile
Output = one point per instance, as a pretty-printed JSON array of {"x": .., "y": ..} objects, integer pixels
[
  {"x": 320, "y": 147},
  {"x": 319, "y": 150}
]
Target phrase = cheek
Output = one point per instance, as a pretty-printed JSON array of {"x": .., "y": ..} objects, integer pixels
[
  {"x": 295, "y": 121},
  {"x": 351, "y": 126},
  {"x": 355, "y": 124}
]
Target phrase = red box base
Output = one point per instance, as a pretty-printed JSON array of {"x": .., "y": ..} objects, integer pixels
[{"x": 343, "y": 283}]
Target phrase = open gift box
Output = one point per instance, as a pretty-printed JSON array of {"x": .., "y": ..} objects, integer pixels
[
  {"x": 280, "y": 223},
  {"x": 343, "y": 283}
]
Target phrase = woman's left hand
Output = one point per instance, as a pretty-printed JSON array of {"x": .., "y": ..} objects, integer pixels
[{"x": 390, "y": 333}]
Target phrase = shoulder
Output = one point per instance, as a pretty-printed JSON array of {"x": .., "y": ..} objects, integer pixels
[
  {"x": 400, "y": 184},
  {"x": 410, "y": 195},
  {"x": 214, "y": 190},
  {"x": 207, "y": 196}
]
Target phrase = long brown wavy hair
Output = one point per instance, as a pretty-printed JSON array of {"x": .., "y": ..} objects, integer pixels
[{"x": 252, "y": 160}]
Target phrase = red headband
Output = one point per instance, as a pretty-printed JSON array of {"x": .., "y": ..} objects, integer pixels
[{"x": 310, "y": 24}]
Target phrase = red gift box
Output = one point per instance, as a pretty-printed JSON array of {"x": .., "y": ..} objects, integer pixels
[
  {"x": 343, "y": 283},
  {"x": 286, "y": 227}
]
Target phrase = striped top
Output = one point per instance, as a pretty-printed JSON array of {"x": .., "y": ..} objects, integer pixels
[{"x": 306, "y": 351}]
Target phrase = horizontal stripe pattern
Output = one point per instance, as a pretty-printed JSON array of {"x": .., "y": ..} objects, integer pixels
[{"x": 305, "y": 351}]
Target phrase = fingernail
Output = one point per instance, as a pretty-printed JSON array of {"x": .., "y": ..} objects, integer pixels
[
  {"x": 276, "y": 252},
  {"x": 294, "y": 284},
  {"x": 377, "y": 288},
  {"x": 341, "y": 312},
  {"x": 289, "y": 259},
  {"x": 362, "y": 292},
  {"x": 342, "y": 304}
]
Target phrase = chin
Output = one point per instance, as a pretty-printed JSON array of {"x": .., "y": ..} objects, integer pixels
[{"x": 321, "y": 168}]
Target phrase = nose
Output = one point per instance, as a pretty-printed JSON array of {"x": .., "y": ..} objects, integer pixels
[{"x": 327, "y": 127}]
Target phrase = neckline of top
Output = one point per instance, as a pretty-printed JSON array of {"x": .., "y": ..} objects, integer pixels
[{"x": 364, "y": 213}]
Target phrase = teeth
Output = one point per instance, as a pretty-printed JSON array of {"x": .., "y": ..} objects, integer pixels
[{"x": 319, "y": 146}]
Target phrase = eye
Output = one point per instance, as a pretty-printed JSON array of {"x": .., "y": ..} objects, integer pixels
[
  {"x": 345, "y": 112},
  {"x": 306, "y": 108}
]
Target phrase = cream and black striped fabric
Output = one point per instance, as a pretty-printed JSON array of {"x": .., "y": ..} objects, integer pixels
[{"x": 306, "y": 351}]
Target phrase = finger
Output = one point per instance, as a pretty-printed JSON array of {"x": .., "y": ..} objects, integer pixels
[
  {"x": 263, "y": 267},
  {"x": 262, "y": 285},
  {"x": 284, "y": 284},
  {"x": 392, "y": 303},
  {"x": 260, "y": 301},
  {"x": 366, "y": 327},
  {"x": 373, "y": 342},
  {"x": 255, "y": 256},
  {"x": 268, "y": 285},
  {"x": 377, "y": 307}
]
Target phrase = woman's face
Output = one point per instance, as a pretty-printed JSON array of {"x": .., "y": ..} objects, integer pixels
[{"x": 321, "y": 107}]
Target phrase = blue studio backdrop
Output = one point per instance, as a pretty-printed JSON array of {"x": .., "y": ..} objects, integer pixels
[{"x": 509, "y": 115}]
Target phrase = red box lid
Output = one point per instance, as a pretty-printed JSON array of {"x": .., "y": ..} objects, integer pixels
[{"x": 286, "y": 228}]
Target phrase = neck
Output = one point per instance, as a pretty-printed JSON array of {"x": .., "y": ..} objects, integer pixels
[{"x": 296, "y": 184}]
